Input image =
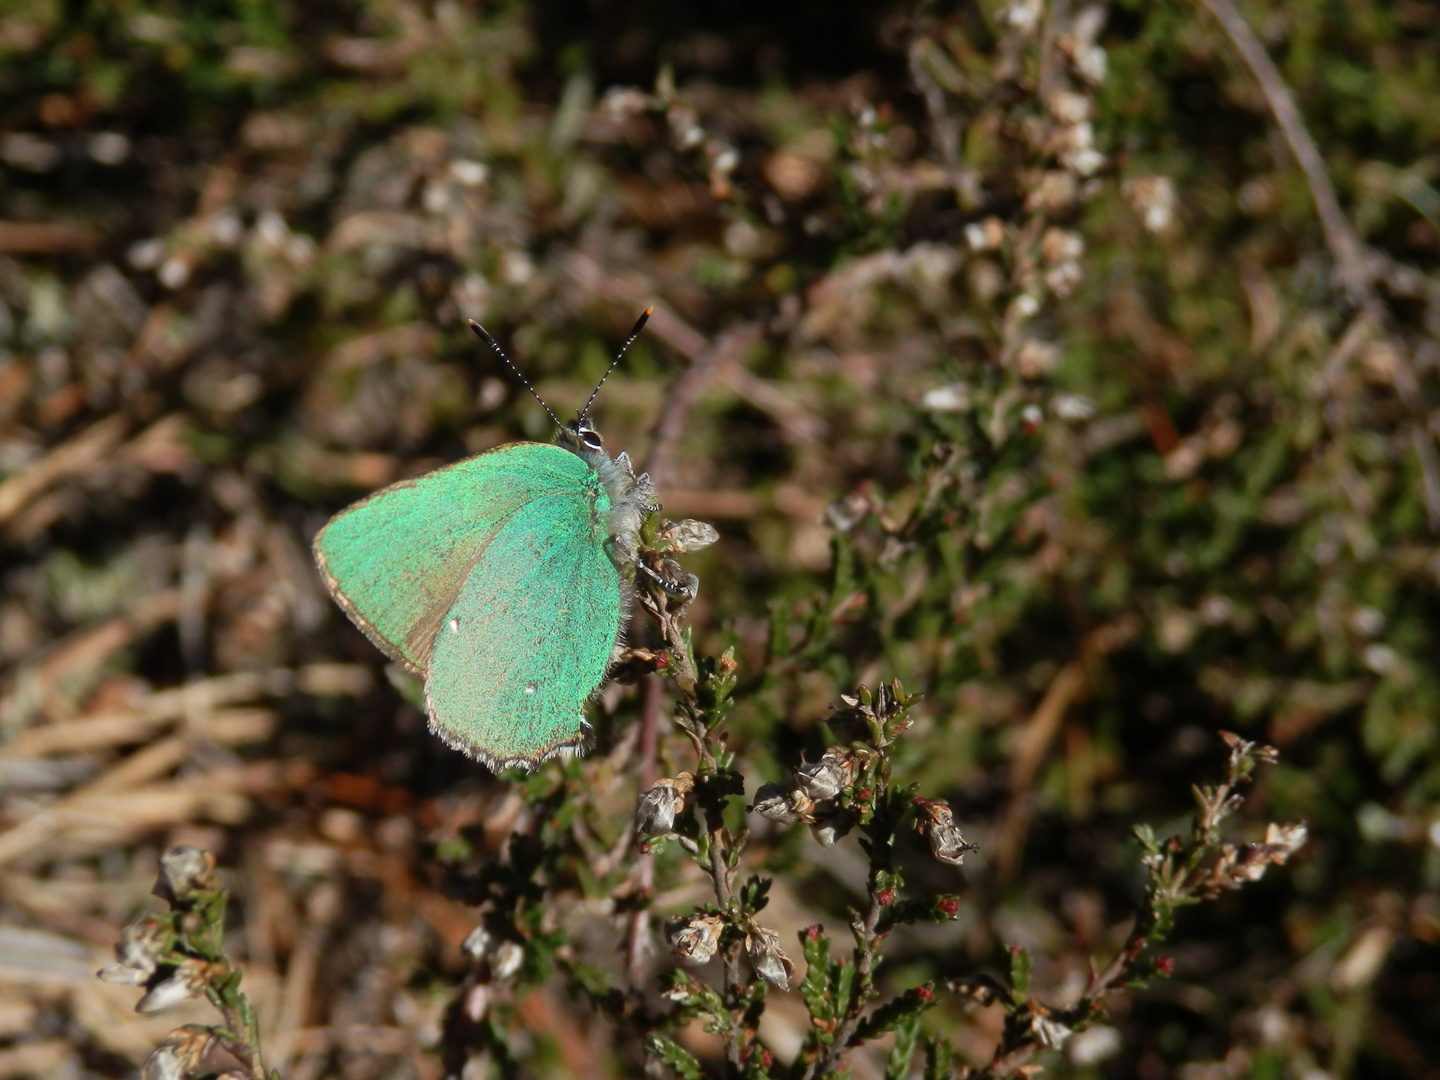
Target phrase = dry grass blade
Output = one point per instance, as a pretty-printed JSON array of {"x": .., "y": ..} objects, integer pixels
[
  {"x": 76, "y": 455},
  {"x": 46, "y": 238}
]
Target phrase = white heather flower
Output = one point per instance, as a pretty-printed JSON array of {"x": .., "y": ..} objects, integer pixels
[
  {"x": 1023, "y": 15},
  {"x": 1061, "y": 245},
  {"x": 509, "y": 955},
  {"x": 986, "y": 235},
  {"x": 1153, "y": 198},
  {"x": 1285, "y": 839}
]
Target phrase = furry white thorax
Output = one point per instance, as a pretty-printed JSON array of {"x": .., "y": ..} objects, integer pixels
[{"x": 631, "y": 496}]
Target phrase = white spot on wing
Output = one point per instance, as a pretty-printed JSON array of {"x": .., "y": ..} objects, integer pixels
[
  {"x": 455, "y": 626},
  {"x": 529, "y": 688}
]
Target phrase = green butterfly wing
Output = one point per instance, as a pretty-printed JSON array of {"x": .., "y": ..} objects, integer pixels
[
  {"x": 509, "y": 547},
  {"x": 529, "y": 637}
]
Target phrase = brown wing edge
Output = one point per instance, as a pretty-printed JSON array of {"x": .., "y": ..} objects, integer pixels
[
  {"x": 337, "y": 594},
  {"x": 343, "y": 602}
]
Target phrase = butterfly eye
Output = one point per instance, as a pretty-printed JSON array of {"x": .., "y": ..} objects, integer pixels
[{"x": 589, "y": 436}]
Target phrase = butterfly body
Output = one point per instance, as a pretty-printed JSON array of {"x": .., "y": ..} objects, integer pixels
[{"x": 502, "y": 580}]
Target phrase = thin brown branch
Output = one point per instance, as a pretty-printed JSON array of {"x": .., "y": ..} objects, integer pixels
[
  {"x": 1029, "y": 751},
  {"x": 47, "y": 237},
  {"x": 685, "y": 392},
  {"x": 637, "y": 929},
  {"x": 867, "y": 948},
  {"x": 1356, "y": 265}
]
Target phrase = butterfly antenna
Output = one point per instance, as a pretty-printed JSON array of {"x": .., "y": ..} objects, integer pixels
[
  {"x": 634, "y": 333},
  {"x": 481, "y": 333}
]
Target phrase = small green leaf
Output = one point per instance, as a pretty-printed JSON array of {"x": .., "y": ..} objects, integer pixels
[
  {"x": 907, "y": 1036},
  {"x": 1146, "y": 835},
  {"x": 888, "y": 1017},
  {"x": 1019, "y": 970},
  {"x": 815, "y": 988},
  {"x": 939, "y": 1059},
  {"x": 676, "y": 1056}
]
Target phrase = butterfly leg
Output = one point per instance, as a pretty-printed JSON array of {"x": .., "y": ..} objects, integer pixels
[{"x": 669, "y": 575}]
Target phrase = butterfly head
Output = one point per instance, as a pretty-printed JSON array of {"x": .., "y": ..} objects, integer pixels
[{"x": 580, "y": 435}]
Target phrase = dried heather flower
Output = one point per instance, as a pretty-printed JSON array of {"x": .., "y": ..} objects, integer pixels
[
  {"x": 830, "y": 824},
  {"x": 178, "y": 1056},
  {"x": 1051, "y": 1033},
  {"x": 478, "y": 943},
  {"x": 762, "y": 946},
  {"x": 1236, "y": 868},
  {"x": 1061, "y": 245},
  {"x": 1035, "y": 359},
  {"x": 476, "y": 1002},
  {"x": 784, "y": 806},
  {"x": 682, "y": 990},
  {"x": 185, "y": 871},
  {"x": 1281, "y": 841},
  {"x": 986, "y": 235},
  {"x": 507, "y": 960},
  {"x": 138, "y": 951},
  {"x": 1284, "y": 840},
  {"x": 694, "y": 938},
  {"x": 1244, "y": 748},
  {"x": 164, "y": 1064},
  {"x": 656, "y": 809},
  {"x": 1023, "y": 15},
  {"x": 826, "y": 778},
  {"x": 687, "y": 535},
  {"x": 187, "y": 981},
  {"x": 845, "y": 513},
  {"x": 936, "y": 823},
  {"x": 1153, "y": 198}
]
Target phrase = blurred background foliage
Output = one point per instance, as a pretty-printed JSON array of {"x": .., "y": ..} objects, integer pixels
[{"x": 1031, "y": 297}]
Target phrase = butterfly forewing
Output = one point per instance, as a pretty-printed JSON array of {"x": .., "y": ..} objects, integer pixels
[
  {"x": 397, "y": 561},
  {"x": 529, "y": 637}
]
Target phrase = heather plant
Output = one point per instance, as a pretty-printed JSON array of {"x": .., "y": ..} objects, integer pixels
[
  {"x": 847, "y": 790},
  {"x": 1060, "y": 378}
]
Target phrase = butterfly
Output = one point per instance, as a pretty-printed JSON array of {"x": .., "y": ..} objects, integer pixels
[{"x": 504, "y": 581}]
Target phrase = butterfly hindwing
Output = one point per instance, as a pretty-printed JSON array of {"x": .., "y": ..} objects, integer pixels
[
  {"x": 397, "y": 561},
  {"x": 529, "y": 636}
]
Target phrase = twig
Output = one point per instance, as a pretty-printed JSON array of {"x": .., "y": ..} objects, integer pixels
[
  {"x": 868, "y": 940},
  {"x": 685, "y": 392},
  {"x": 1035, "y": 738},
  {"x": 47, "y": 237},
  {"x": 720, "y": 878},
  {"x": 1356, "y": 265},
  {"x": 304, "y": 969},
  {"x": 636, "y": 931},
  {"x": 73, "y": 457}
]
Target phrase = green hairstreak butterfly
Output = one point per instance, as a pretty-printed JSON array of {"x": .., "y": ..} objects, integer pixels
[{"x": 502, "y": 581}]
